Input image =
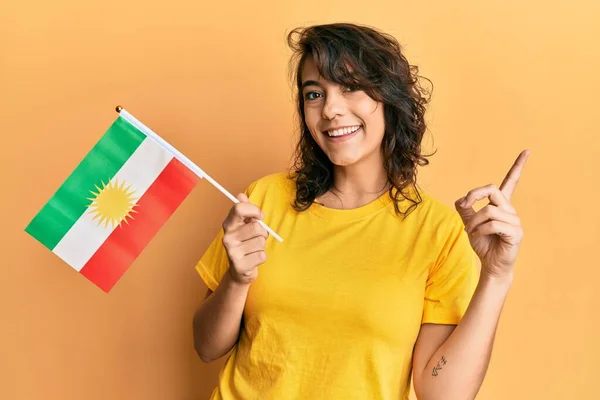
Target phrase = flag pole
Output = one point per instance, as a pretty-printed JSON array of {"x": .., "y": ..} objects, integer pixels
[{"x": 186, "y": 161}]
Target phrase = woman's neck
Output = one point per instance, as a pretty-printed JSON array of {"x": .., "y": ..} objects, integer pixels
[{"x": 355, "y": 186}]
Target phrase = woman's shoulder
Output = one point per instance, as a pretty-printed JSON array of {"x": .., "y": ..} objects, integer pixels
[
  {"x": 437, "y": 212},
  {"x": 280, "y": 182}
]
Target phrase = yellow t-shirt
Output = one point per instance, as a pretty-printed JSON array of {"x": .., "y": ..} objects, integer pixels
[{"x": 337, "y": 307}]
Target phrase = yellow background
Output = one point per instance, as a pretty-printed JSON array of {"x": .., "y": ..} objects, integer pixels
[{"x": 211, "y": 78}]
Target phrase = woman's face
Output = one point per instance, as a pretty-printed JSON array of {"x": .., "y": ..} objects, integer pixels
[{"x": 347, "y": 124}]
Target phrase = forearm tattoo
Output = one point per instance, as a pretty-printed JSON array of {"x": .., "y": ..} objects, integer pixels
[{"x": 438, "y": 367}]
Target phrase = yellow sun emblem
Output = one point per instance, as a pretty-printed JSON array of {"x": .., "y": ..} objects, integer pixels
[{"x": 112, "y": 203}]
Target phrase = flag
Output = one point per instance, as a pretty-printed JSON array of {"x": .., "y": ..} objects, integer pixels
[{"x": 114, "y": 202}]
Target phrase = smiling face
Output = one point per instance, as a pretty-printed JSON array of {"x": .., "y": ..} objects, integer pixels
[{"x": 347, "y": 124}]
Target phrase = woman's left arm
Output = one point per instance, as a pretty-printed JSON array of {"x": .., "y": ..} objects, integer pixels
[{"x": 450, "y": 361}]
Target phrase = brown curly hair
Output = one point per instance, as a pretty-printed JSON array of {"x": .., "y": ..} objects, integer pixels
[{"x": 366, "y": 59}]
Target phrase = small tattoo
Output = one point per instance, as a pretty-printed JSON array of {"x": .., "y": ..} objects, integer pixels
[{"x": 439, "y": 366}]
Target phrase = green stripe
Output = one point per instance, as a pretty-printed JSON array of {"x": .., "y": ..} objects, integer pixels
[{"x": 70, "y": 200}]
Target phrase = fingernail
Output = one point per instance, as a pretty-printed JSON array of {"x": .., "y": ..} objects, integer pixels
[{"x": 463, "y": 202}]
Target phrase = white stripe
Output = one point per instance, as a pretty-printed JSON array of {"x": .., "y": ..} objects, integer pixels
[{"x": 85, "y": 236}]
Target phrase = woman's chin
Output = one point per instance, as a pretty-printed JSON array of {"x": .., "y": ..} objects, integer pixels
[{"x": 340, "y": 160}]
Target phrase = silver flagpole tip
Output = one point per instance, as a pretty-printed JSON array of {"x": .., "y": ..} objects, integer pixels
[{"x": 118, "y": 108}]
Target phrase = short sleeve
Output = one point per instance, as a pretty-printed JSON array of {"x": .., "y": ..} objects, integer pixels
[
  {"x": 452, "y": 279},
  {"x": 214, "y": 262}
]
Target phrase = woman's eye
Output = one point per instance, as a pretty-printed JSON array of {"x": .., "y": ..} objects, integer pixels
[
  {"x": 311, "y": 95},
  {"x": 351, "y": 89}
]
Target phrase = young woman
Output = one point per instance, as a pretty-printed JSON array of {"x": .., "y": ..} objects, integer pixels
[{"x": 376, "y": 281}]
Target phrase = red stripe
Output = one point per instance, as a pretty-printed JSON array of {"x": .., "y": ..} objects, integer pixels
[{"x": 126, "y": 242}]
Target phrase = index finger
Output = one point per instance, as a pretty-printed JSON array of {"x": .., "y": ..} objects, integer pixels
[{"x": 512, "y": 178}]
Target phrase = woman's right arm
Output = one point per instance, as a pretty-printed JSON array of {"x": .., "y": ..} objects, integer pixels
[{"x": 217, "y": 322}]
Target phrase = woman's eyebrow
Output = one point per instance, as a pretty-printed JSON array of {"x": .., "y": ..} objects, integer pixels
[{"x": 310, "y": 83}]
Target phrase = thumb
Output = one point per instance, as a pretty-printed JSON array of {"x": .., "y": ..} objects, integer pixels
[
  {"x": 244, "y": 199},
  {"x": 466, "y": 213}
]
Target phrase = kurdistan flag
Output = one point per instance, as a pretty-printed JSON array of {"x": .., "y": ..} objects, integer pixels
[{"x": 114, "y": 202}]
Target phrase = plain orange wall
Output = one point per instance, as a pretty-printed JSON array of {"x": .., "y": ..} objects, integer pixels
[{"x": 211, "y": 77}]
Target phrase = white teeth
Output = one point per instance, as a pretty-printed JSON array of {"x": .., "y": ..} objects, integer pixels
[{"x": 343, "y": 131}]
